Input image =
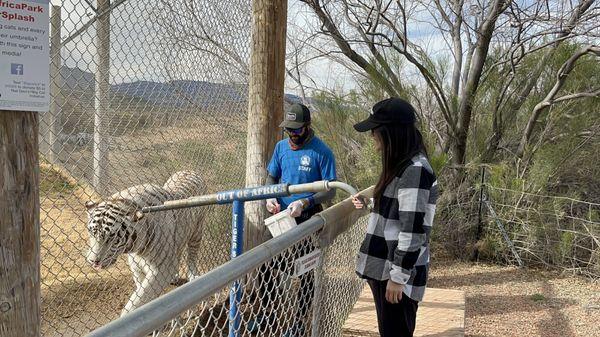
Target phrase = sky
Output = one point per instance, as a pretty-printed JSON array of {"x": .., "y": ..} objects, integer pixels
[
  {"x": 138, "y": 53},
  {"x": 328, "y": 74}
]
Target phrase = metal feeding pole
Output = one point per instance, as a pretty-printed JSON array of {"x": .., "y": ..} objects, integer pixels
[{"x": 50, "y": 121}]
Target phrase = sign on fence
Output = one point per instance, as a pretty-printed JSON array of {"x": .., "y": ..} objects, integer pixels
[
  {"x": 24, "y": 55},
  {"x": 307, "y": 263}
]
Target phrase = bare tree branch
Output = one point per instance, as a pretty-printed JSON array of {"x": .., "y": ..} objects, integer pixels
[
  {"x": 551, "y": 99},
  {"x": 345, "y": 47}
]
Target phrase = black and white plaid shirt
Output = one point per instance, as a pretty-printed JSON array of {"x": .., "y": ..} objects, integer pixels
[{"x": 396, "y": 246}]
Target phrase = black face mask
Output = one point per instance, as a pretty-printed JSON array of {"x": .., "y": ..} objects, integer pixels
[{"x": 300, "y": 139}]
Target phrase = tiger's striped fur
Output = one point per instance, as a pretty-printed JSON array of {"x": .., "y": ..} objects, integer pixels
[{"x": 154, "y": 242}]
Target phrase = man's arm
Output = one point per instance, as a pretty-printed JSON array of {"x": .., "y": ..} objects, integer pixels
[{"x": 272, "y": 205}]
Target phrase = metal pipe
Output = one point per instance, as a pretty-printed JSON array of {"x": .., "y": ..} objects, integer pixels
[
  {"x": 102, "y": 100},
  {"x": 342, "y": 186},
  {"x": 152, "y": 316},
  {"x": 92, "y": 20},
  {"x": 226, "y": 197},
  {"x": 253, "y": 193},
  {"x": 237, "y": 248},
  {"x": 316, "y": 186},
  {"x": 49, "y": 125},
  {"x": 202, "y": 200}
]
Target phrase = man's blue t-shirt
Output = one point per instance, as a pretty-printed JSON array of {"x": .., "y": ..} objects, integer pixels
[{"x": 313, "y": 162}]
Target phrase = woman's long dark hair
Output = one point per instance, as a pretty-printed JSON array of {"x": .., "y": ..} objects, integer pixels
[{"x": 398, "y": 144}]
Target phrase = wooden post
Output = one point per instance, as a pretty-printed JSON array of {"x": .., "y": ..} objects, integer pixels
[
  {"x": 19, "y": 225},
  {"x": 100, "y": 180},
  {"x": 265, "y": 102},
  {"x": 50, "y": 123}
]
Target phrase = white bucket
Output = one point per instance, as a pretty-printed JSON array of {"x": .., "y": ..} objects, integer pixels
[{"x": 280, "y": 223}]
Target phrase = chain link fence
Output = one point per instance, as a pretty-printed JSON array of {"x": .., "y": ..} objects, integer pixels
[
  {"x": 139, "y": 90},
  {"x": 544, "y": 230},
  {"x": 289, "y": 286}
]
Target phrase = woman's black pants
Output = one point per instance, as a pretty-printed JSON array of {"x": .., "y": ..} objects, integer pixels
[{"x": 394, "y": 320}]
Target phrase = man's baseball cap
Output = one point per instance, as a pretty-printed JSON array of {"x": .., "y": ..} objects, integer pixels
[
  {"x": 389, "y": 111},
  {"x": 296, "y": 117}
]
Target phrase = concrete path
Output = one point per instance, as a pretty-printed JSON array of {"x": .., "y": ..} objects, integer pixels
[{"x": 440, "y": 314}]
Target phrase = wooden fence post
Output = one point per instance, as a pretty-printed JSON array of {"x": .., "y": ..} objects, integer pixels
[
  {"x": 19, "y": 225},
  {"x": 265, "y": 102}
]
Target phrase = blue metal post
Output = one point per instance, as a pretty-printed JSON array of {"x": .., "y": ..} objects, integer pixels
[{"x": 235, "y": 294}]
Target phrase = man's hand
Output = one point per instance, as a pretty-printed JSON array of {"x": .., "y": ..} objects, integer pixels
[
  {"x": 273, "y": 206},
  {"x": 296, "y": 208},
  {"x": 393, "y": 292}
]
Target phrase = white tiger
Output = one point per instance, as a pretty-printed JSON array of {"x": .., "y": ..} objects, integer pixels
[{"x": 154, "y": 242}]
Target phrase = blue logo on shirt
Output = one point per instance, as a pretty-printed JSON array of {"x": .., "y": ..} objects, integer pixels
[
  {"x": 16, "y": 69},
  {"x": 304, "y": 164}
]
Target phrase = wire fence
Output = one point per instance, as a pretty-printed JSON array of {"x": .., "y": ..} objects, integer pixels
[
  {"x": 550, "y": 230},
  {"x": 274, "y": 300},
  {"x": 140, "y": 90},
  {"x": 495, "y": 217}
]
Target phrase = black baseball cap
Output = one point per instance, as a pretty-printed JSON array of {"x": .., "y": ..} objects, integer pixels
[
  {"x": 389, "y": 111},
  {"x": 296, "y": 117}
]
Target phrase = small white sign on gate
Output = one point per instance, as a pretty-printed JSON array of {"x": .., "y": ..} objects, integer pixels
[
  {"x": 24, "y": 55},
  {"x": 307, "y": 262}
]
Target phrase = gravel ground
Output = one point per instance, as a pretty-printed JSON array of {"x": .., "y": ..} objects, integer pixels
[{"x": 508, "y": 301}]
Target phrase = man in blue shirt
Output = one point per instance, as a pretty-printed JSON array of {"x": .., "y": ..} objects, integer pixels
[{"x": 302, "y": 158}]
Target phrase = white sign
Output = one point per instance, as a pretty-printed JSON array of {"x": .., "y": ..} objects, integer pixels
[
  {"x": 24, "y": 55},
  {"x": 307, "y": 262}
]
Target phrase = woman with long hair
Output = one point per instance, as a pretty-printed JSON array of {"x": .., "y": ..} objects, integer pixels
[{"x": 394, "y": 256}]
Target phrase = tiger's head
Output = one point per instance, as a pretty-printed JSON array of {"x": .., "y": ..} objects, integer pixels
[{"x": 111, "y": 230}]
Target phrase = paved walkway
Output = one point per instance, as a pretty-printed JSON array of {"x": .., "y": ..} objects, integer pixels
[{"x": 440, "y": 314}]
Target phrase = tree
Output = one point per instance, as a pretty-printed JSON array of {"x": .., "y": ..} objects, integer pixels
[
  {"x": 214, "y": 32},
  {"x": 372, "y": 34},
  {"x": 551, "y": 98}
]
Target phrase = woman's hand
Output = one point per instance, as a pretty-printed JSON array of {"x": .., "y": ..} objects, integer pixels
[
  {"x": 359, "y": 201},
  {"x": 393, "y": 292}
]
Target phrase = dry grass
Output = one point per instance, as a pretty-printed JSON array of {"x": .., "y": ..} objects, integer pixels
[{"x": 508, "y": 301}]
